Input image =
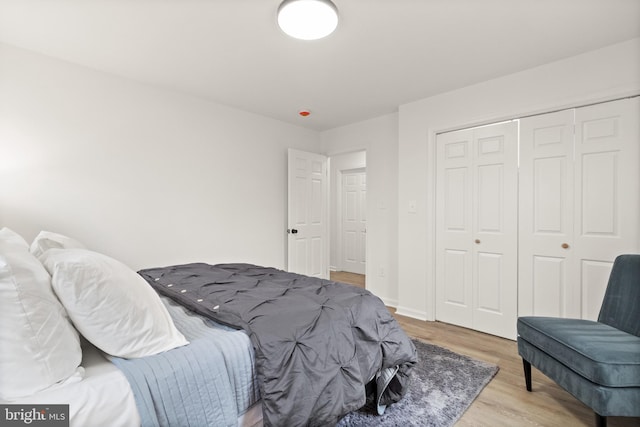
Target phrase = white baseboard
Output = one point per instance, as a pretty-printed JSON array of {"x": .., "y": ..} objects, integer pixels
[
  {"x": 409, "y": 312},
  {"x": 389, "y": 302}
]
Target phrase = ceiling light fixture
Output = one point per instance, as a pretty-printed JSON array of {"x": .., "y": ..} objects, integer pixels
[{"x": 308, "y": 19}]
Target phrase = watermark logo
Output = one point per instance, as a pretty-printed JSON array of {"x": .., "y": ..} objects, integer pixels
[{"x": 34, "y": 415}]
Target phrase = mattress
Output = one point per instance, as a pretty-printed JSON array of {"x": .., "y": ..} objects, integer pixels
[{"x": 102, "y": 398}]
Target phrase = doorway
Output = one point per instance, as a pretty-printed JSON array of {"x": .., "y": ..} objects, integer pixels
[{"x": 348, "y": 217}]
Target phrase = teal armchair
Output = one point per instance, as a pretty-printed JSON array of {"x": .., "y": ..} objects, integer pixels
[{"x": 597, "y": 362}]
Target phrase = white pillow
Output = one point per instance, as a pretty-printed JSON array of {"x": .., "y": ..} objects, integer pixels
[
  {"x": 46, "y": 240},
  {"x": 39, "y": 346},
  {"x": 7, "y": 235},
  {"x": 110, "y": 304}
]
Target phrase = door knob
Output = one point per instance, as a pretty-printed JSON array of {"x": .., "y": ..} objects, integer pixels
[
  {"x": 565, "y": 246},
  {"x": 477, "y": 241},
  {"x": 292, "y": 231}
]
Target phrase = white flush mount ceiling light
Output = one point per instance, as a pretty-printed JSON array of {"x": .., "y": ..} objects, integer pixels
[{"x": 307, "y": 19}]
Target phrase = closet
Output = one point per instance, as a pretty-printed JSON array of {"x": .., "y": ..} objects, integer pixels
[
  {"x": 579, "y": 205},
  {"x": 530, "y": 214}
]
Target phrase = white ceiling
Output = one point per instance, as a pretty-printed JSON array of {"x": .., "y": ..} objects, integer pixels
[{"x": 384, "y": 53}]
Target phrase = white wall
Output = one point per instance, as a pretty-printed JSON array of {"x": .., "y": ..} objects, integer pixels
[
  {"x": 116, "y": 164},
  {"x": 338, "y": 164},
  {"x": 148, "y": 176},
  {"x": 594, "y": 76},
  {"x": 379, "y": 137}
]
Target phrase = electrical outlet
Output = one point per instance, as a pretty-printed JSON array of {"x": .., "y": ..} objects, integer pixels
[{"x": 381, "y": 273}]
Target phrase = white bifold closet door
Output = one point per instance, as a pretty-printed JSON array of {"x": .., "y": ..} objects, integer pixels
[
  {"x": 579, "y": 205},
  {"x": 476, "y": 228}
]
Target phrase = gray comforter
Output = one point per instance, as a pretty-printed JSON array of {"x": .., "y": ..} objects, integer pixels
[{"x": 317, "y": 343}]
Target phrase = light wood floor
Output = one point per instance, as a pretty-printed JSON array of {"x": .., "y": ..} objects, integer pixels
[
  {"x": 505, "y": 401},
  {"x": 350, "y": 278}
]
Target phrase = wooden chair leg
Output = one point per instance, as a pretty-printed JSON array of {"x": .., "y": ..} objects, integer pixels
[
  {"x": 527, "y": 374},
  {"x": 600, "y": 420}
]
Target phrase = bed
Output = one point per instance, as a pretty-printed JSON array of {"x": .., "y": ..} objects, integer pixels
[
  {"x": 204, "y": 344},
  {"x": 104, "y": 397}
]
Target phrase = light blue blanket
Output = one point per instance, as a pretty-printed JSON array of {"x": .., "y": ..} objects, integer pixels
[{"x": 211, "y": 381}]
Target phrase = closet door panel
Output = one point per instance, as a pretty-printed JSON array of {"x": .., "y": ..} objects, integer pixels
[
  {"x": 454, "y": 228},
  {"x": 495, "y": 233},
  {"x": 546, "y": 214},
  {"x": 455, "y": 278},
  {"x": 489, "y": 181},
  {"x": 549, "y": 286},
  {"x": 488, "y": 275},
  {"x": 607, "y": 196},
  {"x": 595, "y": 275},
  {"x": 551, "y": 178}
]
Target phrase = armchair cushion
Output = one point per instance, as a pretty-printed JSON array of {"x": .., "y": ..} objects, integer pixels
[{"x": 598, "y": 352}]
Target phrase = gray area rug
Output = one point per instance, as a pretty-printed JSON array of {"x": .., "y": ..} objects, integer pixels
[{"x": 443, "y": 385}]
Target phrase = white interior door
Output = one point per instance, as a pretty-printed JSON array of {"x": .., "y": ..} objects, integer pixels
[
  {"x": 546, "y": 214},
  {"x": 308, "y": 237},
  {"x": 354, "y": 221},
  {"x": 495, "y": 229},
  {"x": 454, "y": 231},
  {"x": 476, "y": 228},
  {"x": 606, "y": 197}
]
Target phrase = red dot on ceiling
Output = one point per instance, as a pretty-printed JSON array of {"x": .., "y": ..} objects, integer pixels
[{"x": 304, "y": 113}]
